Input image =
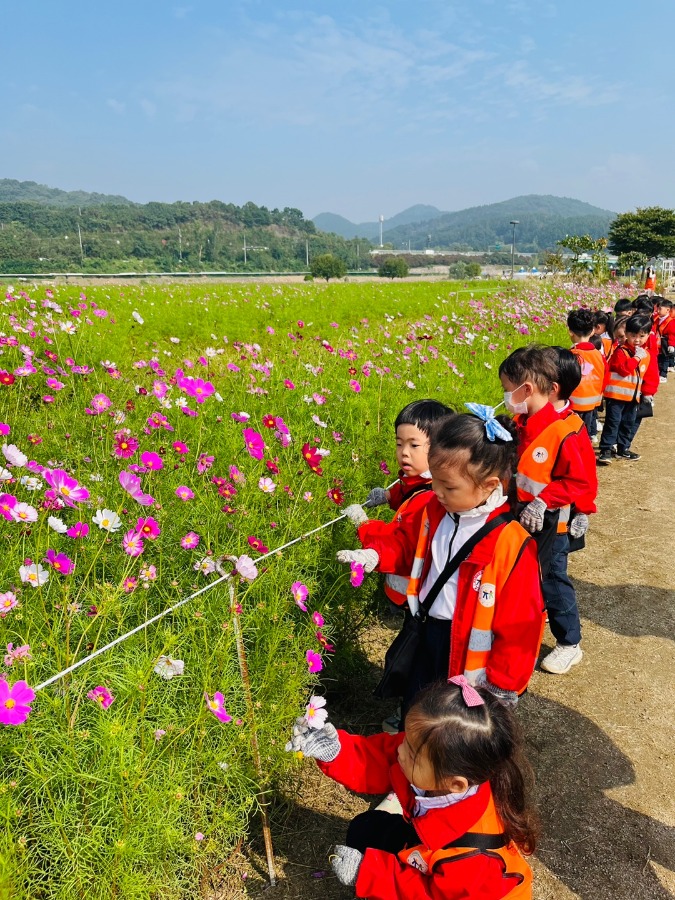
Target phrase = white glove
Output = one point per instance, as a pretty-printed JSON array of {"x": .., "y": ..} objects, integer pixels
[
  {"x": 355, "y": 514},
  {"x": 671, "y": 351},
  {"x": 579, "y": 525},
  {"x": 532, "y": 517},
  {"x": 318, "y": 743},
  {"x": 640, "y": 352},
  {"x": 367, "y": 558},
  {"x": 378, "y": 496},
  {"x": 345, "y": 862}
]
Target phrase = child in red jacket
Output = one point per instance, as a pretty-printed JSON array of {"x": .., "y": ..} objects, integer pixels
[
  {"x": 587, "y": 396},
  {"x": 553, "y": 477},
  {"x": 665, "y": 329},
  {"x": 460, "y": 777},
  {"x": 411, "y": 492},
  {"x": 485, "y": 618}
]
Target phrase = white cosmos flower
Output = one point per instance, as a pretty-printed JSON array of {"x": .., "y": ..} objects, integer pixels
[
  {"x": 23, "y": 512},
  {"x": 14, "y": 456},
  {"x": 167, "y": 667},
  {"x": 205, "y": 566},
  {"x": 34, "y": 575},
  {"x": 107, "y": 520},
  {"x": 138, "y": 317},
  {"x": 31, "y": 483},
  {"x": 5, "y": 474},
  {"x": 68, "y": 327},
  {"x": 57, "y": 525}
]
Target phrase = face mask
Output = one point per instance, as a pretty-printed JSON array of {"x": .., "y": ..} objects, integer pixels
[{"x": 514, "y": 408}]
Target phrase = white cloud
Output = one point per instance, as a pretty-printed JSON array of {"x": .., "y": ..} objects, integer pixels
[{"x": 117, "y": 106}]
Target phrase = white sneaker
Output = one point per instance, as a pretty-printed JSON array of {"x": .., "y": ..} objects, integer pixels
[
  {"x": 561, "y": 659},
  {"x": 663, "y": 380}
]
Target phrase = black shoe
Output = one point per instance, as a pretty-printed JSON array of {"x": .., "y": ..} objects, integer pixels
[
  {"x": 628, "y": 454},
  {"x": 605, "y": 458}
]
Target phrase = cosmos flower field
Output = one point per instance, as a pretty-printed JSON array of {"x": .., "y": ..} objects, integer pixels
[{"x": 156, "y": 438}]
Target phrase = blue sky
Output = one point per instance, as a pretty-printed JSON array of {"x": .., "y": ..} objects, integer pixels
[{"x": 353, "y": 108}]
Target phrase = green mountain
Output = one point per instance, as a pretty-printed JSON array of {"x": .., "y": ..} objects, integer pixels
[
  {"x": 542, "y": 220},
  {"x": 12, "y": 191},
  {"x": 334, "y": 224}
]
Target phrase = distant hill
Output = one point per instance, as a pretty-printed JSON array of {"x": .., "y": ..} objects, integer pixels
[
  {"x": 335, "y": 224},
  {"x": 12, "y": 191},
  {"x": 542, "y": 220}
]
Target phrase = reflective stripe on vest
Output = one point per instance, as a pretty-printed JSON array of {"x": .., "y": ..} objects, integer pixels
[
  {"x": 476, "y": 842},
  {"x": 396, "y": 588},
  {"x": 535, "y": 469},
  {"x": 626, "y": 387},
  {"x": 510, "y": 542},
  {"x": 588, "y": 394}
]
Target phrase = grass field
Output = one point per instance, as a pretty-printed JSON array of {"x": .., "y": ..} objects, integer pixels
[{"x": 147, "y": 432}]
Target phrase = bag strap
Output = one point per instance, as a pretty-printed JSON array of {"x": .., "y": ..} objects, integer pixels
[
  {"x": 416, "y": 490},
  {"x": 454, "y": 563},
  {"x": 479, "y": 841}
]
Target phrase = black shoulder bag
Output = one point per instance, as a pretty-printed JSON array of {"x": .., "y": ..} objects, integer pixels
[{"x": 400, "y": 655}]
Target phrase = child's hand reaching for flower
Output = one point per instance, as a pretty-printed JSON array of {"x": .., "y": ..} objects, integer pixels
[
  {"x": 322, "y": 744},
  {"x": 366, "y": 558}
]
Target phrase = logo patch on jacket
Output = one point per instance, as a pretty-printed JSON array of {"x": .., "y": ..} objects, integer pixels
[
  {"x": 477, "y": 580},
  {"x": 540, "y": 454},
  {"x": 416, "y": 860},
  {"x": 487, "y": 595}
]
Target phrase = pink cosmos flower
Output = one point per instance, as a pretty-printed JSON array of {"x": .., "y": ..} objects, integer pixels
[
  {"x": 300, "y": 593},
  {"x": 189, "y": 541},
  {"x": 129, "y": 584},
  {"x": 23, "y": 513},
  {"x": 198, "y": 388},
  {"x": 148, "y": 573},
  {"x": 180, "y": 447},
  {"x": 132, "y": 542},
  {"x": 148, "y": 528},
  {"x": 307, "y": 497},
  {"x": 125, "y": 444},
  {"x": 14, "y": 456},
  {"x": 7, "y": 504},
  {"x": 254, "y": 443},
  {"x": 199, "y": 836},
  {"x": 15, "y": 701},
  {"x": 315, "y": 714},
  {"x": 355, "y": 386},
  {"x": 321, "y": 638},
  {"x": 4, "y": 429},
  {"x": 289, "y": 384},
  {"x": 358, "y": 572},
  {"x": 14, "y": 653},
  {"x": 132, "y": 485},
  {"x": 240, "y": 416},
  {"x": 237, "y": 476},
  {"x": 384, "y": 468},
  {"x": 59, "y": 562},
  {"x": 152, "y": 461},
  {"x": 267, "y": 486},
  {"x": 78, "y": 530},
  {"x": 99, "y": 404},
  {"x": 314, "y": 662},
  {"x": 7, "y": 601},
  {"x": 204, "y": 463},
  {"x": 318, "y": 619},
  {"x": 217, "y": 707},
  {"x": 184, "y": 493},
  {"x": 65, "y": 486},
  {"x": 246, "y": 567},
  {"x": 257, "y": 544},
  {"x": 55, "y": 384},
  {"x": 101, "y": 696}
]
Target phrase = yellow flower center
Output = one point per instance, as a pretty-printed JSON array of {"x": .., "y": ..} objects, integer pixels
[
  {"x": 213, "y": 705},
  {"x": 65, "y": 491},
  {"x": 56, "y": 565},
  {"x": 10, "y": 704},
  {"x": 105, "y": 522},
  {"x": 124, "y": 445}
]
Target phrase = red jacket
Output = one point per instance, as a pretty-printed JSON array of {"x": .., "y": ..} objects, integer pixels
[
  {"x": 666, "y": 329},
  {"x": 650, "y": 382},
  {"x": 369, "y": 765},
  {"x": 581, "y": 445},
  {"x": 575, "y": 477},
  {"x": 375, "y": 531},
  {"x": 517, "y": 624}
]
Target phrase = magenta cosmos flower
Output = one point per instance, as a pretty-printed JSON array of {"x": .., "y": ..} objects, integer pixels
[
  {"x": 314, "y": 662},
  {"x": 7, "y": 504},
  {"x": 184, "y": 493},
  {"x": 148, "y": 528},
  {"x": 60, "y": 562},
  {"x": 78, "y": 530},
  {"x": 132, "y": 542},
  {"x": 190, "y": 541},
  {"x": 152, "y": 461},
  {"x": 7, "y": 601},
  {"x": 300, "y": 593},
  {"x": 102, "y": 696},
  {"x": 357, "y": 574},
  {"x": 355, "y": 386},
  {"x": 217, "y": 707},
  {"x": 99, "y": 404},
  {"x": 125, "y": 444},
  {"x": 15, "y": 701},
  {"x": 180, "y": 447},
  {"x": 254, "y": 443},
  {"x": 65, "y": 486}
]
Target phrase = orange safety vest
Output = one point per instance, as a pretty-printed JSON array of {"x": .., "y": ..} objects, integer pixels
[
  {"x": 486, "y": 838},
  {"x": 588, "y": 396},
  {"x": 536, "y": 465},
  {"x": 627, "y": 387},
  {"x": 396, "y": 586},
  {"x": 663, "y": 344},
  {"x": 606, "y": 345}
]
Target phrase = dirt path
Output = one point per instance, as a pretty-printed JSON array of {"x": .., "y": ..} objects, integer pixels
[{"x": 601, "y": 739}]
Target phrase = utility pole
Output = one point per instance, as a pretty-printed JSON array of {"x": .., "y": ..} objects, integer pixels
[
  {"x": 244, "y": 249},
  {"x": 513, "y": 222},
  {"x": 180, "y": 245},
  {"x": 79, "y": 234},
  {"x": 307, "y": 253},
  {"x": 381, "y": 223}
]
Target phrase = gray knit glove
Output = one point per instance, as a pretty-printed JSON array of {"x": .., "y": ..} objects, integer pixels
[
  {"x": 640, "y": 353},
  {"x": 378, "y": 496},
  {"x": 532, "y": 517},
  {"x": 345, "y": 862},
  {"x": 322, "y": 743},
  {"x": 508, "y": 698},
  {"x": 367, "y": 558},
  {"x": 579, "y": 525},
  {"x": 355, "y": 514}
]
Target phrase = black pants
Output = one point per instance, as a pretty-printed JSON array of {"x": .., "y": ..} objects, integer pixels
[
  {"x": 431, "y": 661},
  {"x": 620, "y": 418},
  {"x": 590, "y": 420},
  {"x": 665, "y": 360},
  {"x": 380, "y": 830}
]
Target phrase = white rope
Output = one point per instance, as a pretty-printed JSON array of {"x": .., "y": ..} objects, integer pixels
[{"x": 208, "y": 587}]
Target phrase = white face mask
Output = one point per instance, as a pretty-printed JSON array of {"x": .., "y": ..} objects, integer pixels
[{"x": 515, "y": 408}]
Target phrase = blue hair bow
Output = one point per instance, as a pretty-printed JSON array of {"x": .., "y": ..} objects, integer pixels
[{"x": 492, "y": 427}]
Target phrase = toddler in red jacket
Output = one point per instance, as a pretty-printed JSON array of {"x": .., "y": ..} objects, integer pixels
[{"x": 460, "y": 776}]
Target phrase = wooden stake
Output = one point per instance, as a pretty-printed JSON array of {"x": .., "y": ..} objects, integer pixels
[{"x": 262, "y": 799}]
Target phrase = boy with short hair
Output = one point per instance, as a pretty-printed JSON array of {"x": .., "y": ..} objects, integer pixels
[
  {"x": 553, "y": 474},
  {"x": 587, "y": 397},
  {"x": 628, "y": 365},
  {"x": 665, "y": 329}
]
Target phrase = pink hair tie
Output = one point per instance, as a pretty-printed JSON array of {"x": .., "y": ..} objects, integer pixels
[{"x": 469, "y": 694}]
